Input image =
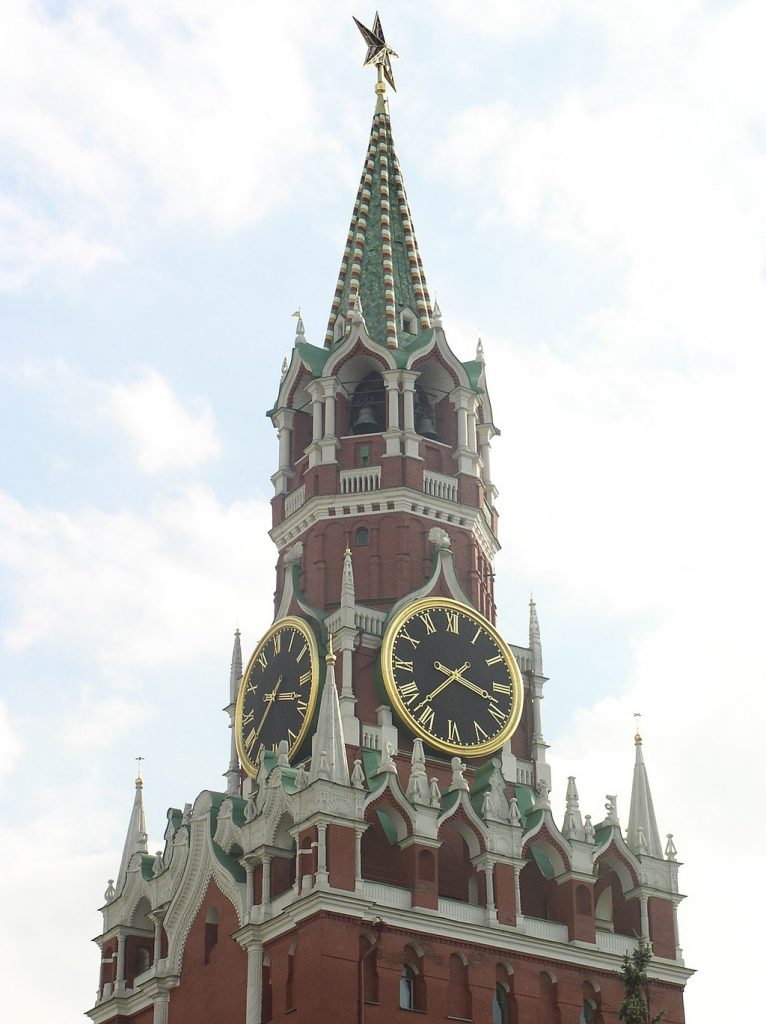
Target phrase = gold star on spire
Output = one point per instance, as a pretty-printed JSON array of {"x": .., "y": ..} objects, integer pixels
[{"x": 379, "y": 52}]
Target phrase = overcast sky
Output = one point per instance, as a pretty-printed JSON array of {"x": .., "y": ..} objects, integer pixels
[{"x": 587, "y": 183}]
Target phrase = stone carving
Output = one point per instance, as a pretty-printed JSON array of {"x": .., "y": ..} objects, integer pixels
[
  {"x": 573, "y": 826},
  {"x": 436, "y": 796},
  {"x": 543, "y": 801},
  {"x": 294, "y": 554},
  {"x": 282, "y": 758},
  {"x": 323, "y": 772},
  {"x": 159, "y": 865},
  {"x": 301, "y": 778},
  {"x": 611, "y": 810},
  {"x": 439, "y": 537},
  {"x": 186, "y": 816},
  {"x": 417, "y": 787},
  {"x": 458, "y": 782},
  {"x": 110, "y": 893},
  {"x": 387, "y": 761},
  {"x": 514, "y": 814},
  {"x": 487, "y": 806},
  {"x": 251, "y": 807},
  {"x": 357, "y": 775},
  {"x": 589, "y": 830},
  {"x": 641, "y": 848},
  {"x": 670, "y": 848}
]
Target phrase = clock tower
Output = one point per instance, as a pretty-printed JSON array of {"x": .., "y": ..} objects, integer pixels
[{"x": 385, "y": 843}]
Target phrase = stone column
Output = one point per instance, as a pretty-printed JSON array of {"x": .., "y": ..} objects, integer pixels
[
  {"x": 485, "y": 433},
  {"x": 161, "y": 1007},
  {"x": 464, "y": 401},
  {"x": 314, "y": 389},
  {"x": 392, "y": 434},
  {"x": 254, "y": 982},
  {"x": 517, "y": 889},
  {"x": 329, "y": 444},
  {"x": 119, "y": 978},
  {"x": 489, "y": 874},
  {"x": 266, "y": 884},
  {"x": 679, "y": 951},
  {"x": 321, "y": 854},
  {"x": 411, "y": 443},
  {"x": 644, "y": 900},
  {"x": 357, "y": 858}
]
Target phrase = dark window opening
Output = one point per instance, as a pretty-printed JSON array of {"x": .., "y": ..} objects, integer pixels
[
  {"x": 362, "y": 537},
  {"x": 368, "y": 405}
]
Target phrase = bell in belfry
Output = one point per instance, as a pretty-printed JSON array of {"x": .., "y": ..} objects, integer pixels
[
  {"x": 425, "y": 424},
  {"x": 365, "y": 422}
]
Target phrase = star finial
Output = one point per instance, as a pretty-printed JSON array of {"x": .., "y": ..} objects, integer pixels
[
  {"x": 138, "y": 777},
  {"x": 636, "y": 716},
  {"x": 379, "y": 52}
]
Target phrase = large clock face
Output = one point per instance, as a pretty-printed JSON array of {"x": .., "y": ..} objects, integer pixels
[
  {"x": 278, "y": 692},
  {"x": 451, "y": 678}
]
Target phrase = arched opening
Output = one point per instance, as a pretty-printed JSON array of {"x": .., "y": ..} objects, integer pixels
[
  {"x": 588, "y": 1013},
  {"x": 211, "y": 932},
  {"x": 412, "y": 989},
  {"x": 537, "y": 881},
  {"x": 458, "y": 990},
  {"x": 591, "y": 1004},
  {"x": 500, "y": 1005},
  {"x": 368, "y": 405},
  {"x": 426, "y": 866},
  {"x": 283, "y": 861},
  {"x": 614, "y": 913},
  {"x": 368, "y": 952},
  {"x": 362, "y": 537},
  {"x": 425, "y": 414},
  {"x": 381, "y": 856},
  {"x": 549, "y": 1003},
  {"x": 504, "y": 1009},
  {"x": 143, "y": 960},
  {"x": 583, "y": 902},
  {"x": 458, "y": 879}
]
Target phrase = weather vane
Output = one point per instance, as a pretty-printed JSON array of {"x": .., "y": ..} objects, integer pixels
[
  {"x": 379, "y": 52},
  {"x": 140, "y": 759},
  {"x": 636, "y": 716}
]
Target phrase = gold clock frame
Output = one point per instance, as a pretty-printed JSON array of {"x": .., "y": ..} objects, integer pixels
[
  {"x": 288, "y": 622},
  {"x": 386, "y": 652}
]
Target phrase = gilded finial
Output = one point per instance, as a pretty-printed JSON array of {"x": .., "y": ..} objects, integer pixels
[
  {"x": 330, "y": 658},
  {"x": 139, "y": 780},
  {"x": 637, "y": 715},
  {"x": 379, "y": 54}
]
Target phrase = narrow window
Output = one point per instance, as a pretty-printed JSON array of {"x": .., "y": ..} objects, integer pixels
[
  {"x": 588, "y": 1015},
  {"x": 500, "y": 1005},
  {"x": 362, "y": 537},
  {"x": 211, "y": 932},
  {"x": 407, "y": 988}
]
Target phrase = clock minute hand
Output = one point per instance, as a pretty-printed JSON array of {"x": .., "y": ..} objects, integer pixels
[
  {"x": 451, "y": 677},
  {"x": 271, "y": 697},
  {"x": 472, "y": 686}
]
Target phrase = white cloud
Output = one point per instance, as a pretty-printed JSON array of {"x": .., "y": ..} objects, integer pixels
[
  {"x": 134, "y": 590},
  {"x": 10, "y": 743},
  {"x": 128, "y": 113},
  {"x": 164, "y": 435},
  {"x": 96, "y": 722}
]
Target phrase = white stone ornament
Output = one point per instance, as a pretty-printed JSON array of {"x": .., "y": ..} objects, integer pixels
[
  {"x": 487, "y": 806},
  {"x": 643, "y": 849},
  {"x": 251, "y": 807},
  {"x": 357, "y": 775},
  {"x": 387, "y": 761},
  {"x": 514, "y": 814},
  {"x": 186, "y": 816},
  {"x": 282, "y": 759},
  {"x": 670, "y": 848},
  {"x": 324, "y": 766},
  {"x": 439, "y": 537},
  {"x": 436, "y": 796},
  {"x": 589, "y": 830},
  {"x": 458, "y": 782},
  {"x": 611, "y": 810},
  {"x": 110, "y": 893},
  {"x": 417, "y": 787},
  {"x": 301, "y": 778},
  {"x": 543, "y": 801},
  {"x": 158, "y": 866}
]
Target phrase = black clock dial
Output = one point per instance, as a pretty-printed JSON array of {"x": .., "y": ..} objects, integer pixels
[
  {"x": 451, "y": 678},
  {"x": 278, "y": 692}
]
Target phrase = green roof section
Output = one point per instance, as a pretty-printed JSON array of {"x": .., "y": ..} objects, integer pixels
[{"x": 381, "y": 260}]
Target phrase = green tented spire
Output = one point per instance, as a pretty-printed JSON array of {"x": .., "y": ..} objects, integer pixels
[{"x": 381, "y": 262}]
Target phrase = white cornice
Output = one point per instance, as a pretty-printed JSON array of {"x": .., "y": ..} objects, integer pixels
[{"x": 390, "y": 500}]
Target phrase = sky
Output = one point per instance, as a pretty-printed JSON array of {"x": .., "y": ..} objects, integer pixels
[{"x": 176, "y": 178}]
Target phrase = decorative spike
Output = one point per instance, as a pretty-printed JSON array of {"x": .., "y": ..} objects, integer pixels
[
  {"x": 158, "y": 866},
  {"x": 514, "y": 814},
  {"x": 590, "y": 832},
  {"x": 642, "y": 810},
  {"x": 110, "y": 893},
  {"x": 436, "y": 319},
  {"x": 283, "y": 372},
  {"x": 328, "y": 752},
  {"x": 301, "y": 777},
  {"x": 435, "y": 793},
  {"x": 670, "y": 848},
  {"x": 347, "y": 589},
  {"x": 535, "y": 644},
  {"x": 417, "y": 788},
  {"x": 136, "y": 838},
  {"x": 479, "y": 351},
  {"x": 611, "y": 810},
  {"x": 357, "y": 775},
  {"x": 232, "y": 773},
  {"x": 573, "y": 826}
]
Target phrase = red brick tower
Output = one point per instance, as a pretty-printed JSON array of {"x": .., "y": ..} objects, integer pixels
[{"x": 386, "y": 844}]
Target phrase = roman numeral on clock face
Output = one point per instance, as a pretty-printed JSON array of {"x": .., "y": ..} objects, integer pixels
[
  {"x": 453, "y": 621},
  {"x": 409, "y": 692},
  {"x": 428, "y": 622},
  {"x": 501, "y": 688},
  {"x": 453, "y": 734},
  {"x": 496, "y": 713},
  {"x": 402, "y": 665},
  {"x": 263, "y": 661},
  {"x": 495, "y": 661}
]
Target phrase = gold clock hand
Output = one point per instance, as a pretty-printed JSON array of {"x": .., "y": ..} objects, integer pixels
[
  {"x": 472, "y": 686},
  {"x": 451, "y": 677},
  {"x": 270, "y": 697}
]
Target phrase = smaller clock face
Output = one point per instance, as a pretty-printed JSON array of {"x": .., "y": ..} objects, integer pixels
[
  {"x": 278, "y": 692},
  {"x": 451, "y": 678}
]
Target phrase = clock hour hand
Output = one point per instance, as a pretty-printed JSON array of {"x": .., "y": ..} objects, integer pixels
[
  {"x": 269, "y": 698},
  {"x": 451, "y": 677},
  {"x": 472, "y": 686}
]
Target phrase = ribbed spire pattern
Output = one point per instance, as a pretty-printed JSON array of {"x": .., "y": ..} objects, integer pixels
[
  {"x": 643, "y": 835},
  {"x": 136, "y": 838},
  {"x": 381, "y": 261}
]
